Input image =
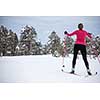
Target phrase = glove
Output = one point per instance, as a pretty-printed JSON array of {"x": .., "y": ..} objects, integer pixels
[{"x": 65, "y": 32}]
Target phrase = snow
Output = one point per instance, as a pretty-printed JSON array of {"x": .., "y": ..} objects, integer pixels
[{"x": 45, "y": 68}]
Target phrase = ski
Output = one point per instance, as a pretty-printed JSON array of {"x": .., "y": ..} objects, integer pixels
[
  {"x": 70, "y": 73},
  {"x": 79, "y": 74},
  {"x": 91, "y": 75}
]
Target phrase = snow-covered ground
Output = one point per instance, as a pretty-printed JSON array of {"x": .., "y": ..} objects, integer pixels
[{"x": 44, "y": 68}]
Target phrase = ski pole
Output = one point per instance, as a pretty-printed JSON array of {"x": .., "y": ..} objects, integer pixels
[{"x": 64, "y": 51}]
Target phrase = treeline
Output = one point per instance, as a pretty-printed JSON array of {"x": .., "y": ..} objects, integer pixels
[{"x": 28, "y": 43}]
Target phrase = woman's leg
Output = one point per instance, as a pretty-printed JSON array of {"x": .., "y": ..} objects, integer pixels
[
  {"x": 84, "y": 55},
  {"x": 76, "y": 49}
]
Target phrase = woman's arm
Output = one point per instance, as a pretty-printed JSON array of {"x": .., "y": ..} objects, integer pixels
[
  {"x": 71, "y": 34},
  {"x": 89, "y": 35}
]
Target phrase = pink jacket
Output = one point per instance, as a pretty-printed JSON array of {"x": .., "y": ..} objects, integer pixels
[{"x": 81, "y": 36}]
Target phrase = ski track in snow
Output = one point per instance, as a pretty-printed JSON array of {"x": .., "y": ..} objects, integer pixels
[{"x": 45, "y": 68}]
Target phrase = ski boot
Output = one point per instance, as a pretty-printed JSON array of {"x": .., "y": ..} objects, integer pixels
[
  {"x": 72, "y": 72},
  {"x": 89, "y": 73}
]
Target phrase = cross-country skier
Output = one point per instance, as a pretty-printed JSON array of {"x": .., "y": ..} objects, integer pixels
[{"x": 80, "y": 44}]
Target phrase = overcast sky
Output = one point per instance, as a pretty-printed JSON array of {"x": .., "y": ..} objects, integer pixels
[{"x": 44, "y": 25}]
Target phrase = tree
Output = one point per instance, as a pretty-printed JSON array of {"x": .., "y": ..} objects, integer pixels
[
  {"x": 67, "y": 46},
  {"x": 54, "y": 44},
  {"x": 28, "y": 44},
  {"x": 93, "y": 47},
  {"x": 12, "y": 41},
  {"x": 3, "y": 35},
  {"x": 8, "y": 41}
]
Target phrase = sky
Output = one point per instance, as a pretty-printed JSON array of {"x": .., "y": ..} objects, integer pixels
[{"x": 44, "y": 25}]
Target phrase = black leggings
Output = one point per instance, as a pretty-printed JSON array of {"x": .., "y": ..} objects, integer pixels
[{"x": 82, "y": 48}]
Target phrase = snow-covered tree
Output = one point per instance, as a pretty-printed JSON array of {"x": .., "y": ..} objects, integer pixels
[
  {"x": 28, "y": 44},
  {"x": 8, "y": 41},
  {"x": 45, "y": 49},
  {"x": 37, "y": 48},
  {"x": 3, "y": 35},
  {"x": 12, "y": 41},
  {"x": 67, "y": 46},
  {"x": 93, "y": 46},
  {"x": 54, "y": 44},
  {"x": 27, "y": 40}
]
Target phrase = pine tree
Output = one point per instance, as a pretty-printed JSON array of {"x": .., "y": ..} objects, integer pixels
[
  {"x": 28, "y": 44},
  {"x": 67, "y": 46},
  {"x": 38, "y": 48},
  {"x": 3, "y": 35},
  {"x": 93, "y": 47},
  {"x": 8, "y": 41},
  {"x": 54, "y": 44},
  {"x": 45, "y": 49},
  {"x": 12, "y": 41}
]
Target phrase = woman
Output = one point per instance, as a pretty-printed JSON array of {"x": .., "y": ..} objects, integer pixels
[{"x": 80, "y": 44}]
